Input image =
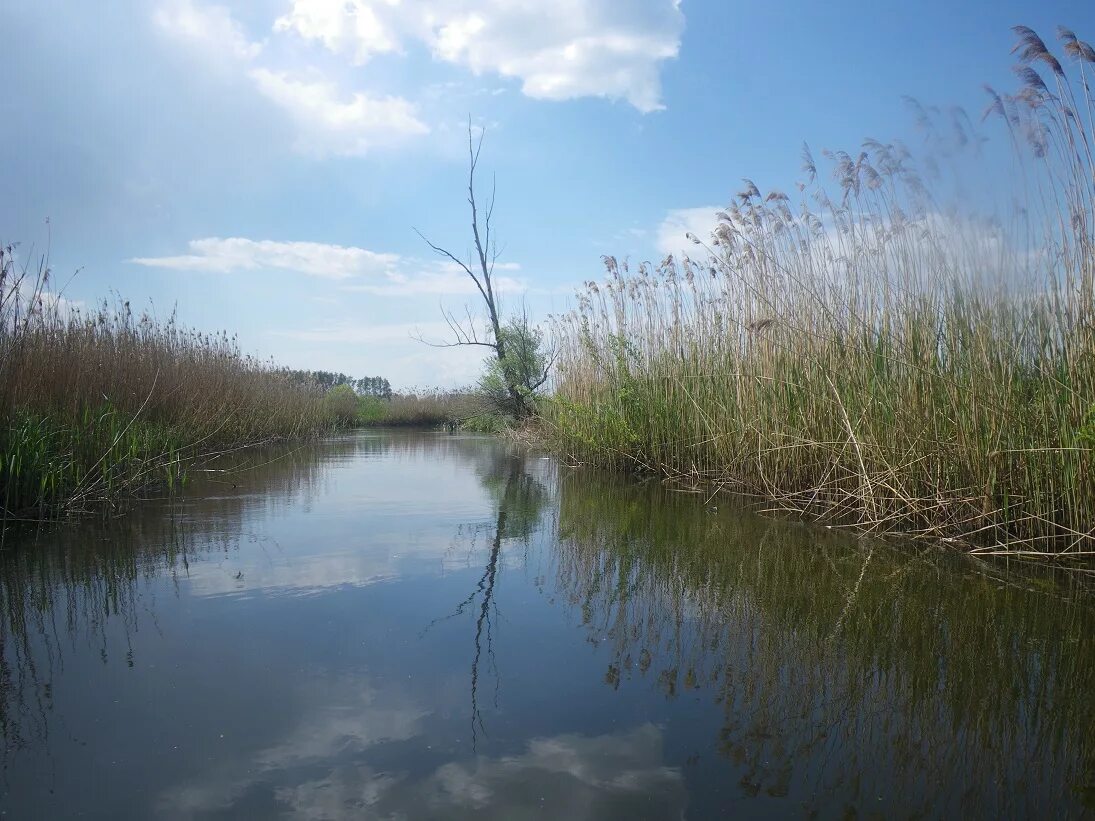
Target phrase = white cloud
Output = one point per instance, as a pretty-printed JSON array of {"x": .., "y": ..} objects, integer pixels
[
  {"x": 447, "y": 279},
  {"x": 330, "y": 122},
  {"x": 21, "y": 297},
  {"x": 672, "y": 233},
  {"x": 558, "y": 49},
  {"x": 565, "y": 776},
  {"x": 343, "y": 26},
  {"x": 329, "y": 119},
  {"x": 209, "y": 26},
  {"x": 392, "y": 274},
  {"x": 371, "y": 334},
  {"x": 321, "y": 771},
  {"x": 311, "y": 258},
  {"x": 343, "y": 715}
]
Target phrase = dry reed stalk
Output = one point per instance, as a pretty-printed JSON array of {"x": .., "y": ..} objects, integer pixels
[{"x": 871, "y": 357}]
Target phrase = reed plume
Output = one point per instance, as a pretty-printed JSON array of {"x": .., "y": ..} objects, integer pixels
[{"x": 876, "y": 357}]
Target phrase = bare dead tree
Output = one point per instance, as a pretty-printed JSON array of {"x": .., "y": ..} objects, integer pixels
[{"x": 479, "y": 267}]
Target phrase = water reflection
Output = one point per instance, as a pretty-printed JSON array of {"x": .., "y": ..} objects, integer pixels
[
  {"x": 843, "y": 671},
  {"x": 520, "y": 498},
  {"x": 566, "y": 776},
  {"x": 400, "y": 625}
]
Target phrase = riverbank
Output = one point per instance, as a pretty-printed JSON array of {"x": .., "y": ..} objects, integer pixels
[
  {"x": 100, "y": 406},
  {"x": 872, "y": 356},
  {"x": 430, "y": 409}
]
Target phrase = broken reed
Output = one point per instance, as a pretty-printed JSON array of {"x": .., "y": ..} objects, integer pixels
[
  {"x": 873, "y": 358},
  {"x": 100, "y": 405}
]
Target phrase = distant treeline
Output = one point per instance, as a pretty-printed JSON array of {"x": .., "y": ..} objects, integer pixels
[{"x": 376, "y": 386}]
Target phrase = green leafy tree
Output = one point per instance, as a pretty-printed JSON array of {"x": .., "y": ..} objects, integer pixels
[
  {"x": 376, "y": 386},
  {"x": 510, "y": 383}
]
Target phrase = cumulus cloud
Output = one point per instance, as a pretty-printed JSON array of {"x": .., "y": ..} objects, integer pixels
[
  {"x": 330, "y": 122},
  {"x": 352, "y": 28},
  {"x": 209, "y": 26},
  {"x": 345, "y": 715},
  {"x": 671, "y": 236},
  {"x": 565, "y": 776},
  {"x": 558, "y": 49},
  {"x": 329, "y": 119},
  {"x": 311, "y": 258}
]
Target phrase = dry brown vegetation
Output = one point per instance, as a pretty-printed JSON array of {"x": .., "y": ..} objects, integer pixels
[{"x": 101, "y": 404}]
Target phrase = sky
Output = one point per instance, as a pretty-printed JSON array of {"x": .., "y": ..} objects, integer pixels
[{"x": 262, "y": 167}]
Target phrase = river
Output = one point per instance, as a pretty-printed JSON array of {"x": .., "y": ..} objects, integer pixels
[{"x": 423, "y": 625}]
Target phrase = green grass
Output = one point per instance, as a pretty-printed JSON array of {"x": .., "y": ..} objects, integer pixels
[
  {"x": 868, "y": 356},
  {"x": 429, "y": 409},
  {"x": 47, "y": 464}
]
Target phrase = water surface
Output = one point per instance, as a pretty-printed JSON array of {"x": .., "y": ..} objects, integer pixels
[{"x": 393, "y": 625}]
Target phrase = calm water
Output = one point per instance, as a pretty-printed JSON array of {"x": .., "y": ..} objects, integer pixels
[{"x": 431, "y": 626}]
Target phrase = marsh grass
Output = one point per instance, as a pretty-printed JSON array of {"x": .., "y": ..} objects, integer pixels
[
  {"x": 101, "y": 405},
  {"x": 875, "y": 356},
  {"x": 429, "y": 409}
]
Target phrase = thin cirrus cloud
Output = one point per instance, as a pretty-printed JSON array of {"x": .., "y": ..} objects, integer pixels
[
  {"x": 558, "y": 49},
  {"x": 311, "y": 258},
  {"x": 368, "y": 334},
  {"x": 438, "y": 279},
  {"x": 386, "y": 274}
]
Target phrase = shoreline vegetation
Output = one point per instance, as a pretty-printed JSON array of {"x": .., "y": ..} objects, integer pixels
[
  {"x": 873, "y": 356},
  {"x": 466, "y": 409},
  {"x": 101, "y": 406}
]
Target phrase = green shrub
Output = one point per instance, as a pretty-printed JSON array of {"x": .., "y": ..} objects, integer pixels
[{"x": 342, "y": 405}]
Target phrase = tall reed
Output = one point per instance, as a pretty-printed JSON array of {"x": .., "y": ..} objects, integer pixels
[
  {"x": 99, "y": 404},
  {"x": 876, "y": 355}
]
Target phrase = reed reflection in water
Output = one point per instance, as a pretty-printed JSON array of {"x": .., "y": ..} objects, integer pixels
[{"x": 444, "y": 626}]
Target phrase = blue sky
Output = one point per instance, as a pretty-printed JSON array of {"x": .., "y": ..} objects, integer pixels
[{"x": 261, "y": 166}]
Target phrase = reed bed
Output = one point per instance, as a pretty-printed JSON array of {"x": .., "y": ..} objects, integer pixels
[
  {"x": 428, "y": 409},
  {"x": 100, "y": 405},
  {"x": 882, "y": 354}
]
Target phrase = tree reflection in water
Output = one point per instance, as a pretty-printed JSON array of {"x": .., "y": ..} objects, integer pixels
[{"x": 520, "y": 499}]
